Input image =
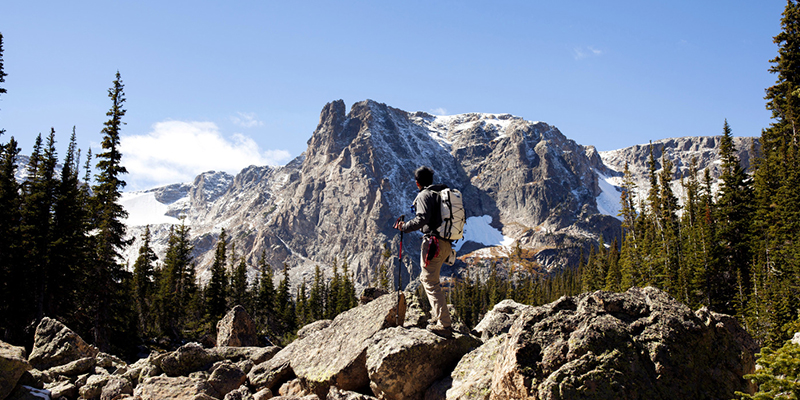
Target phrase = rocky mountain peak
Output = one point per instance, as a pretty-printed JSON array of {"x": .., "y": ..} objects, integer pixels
[{"x": 523, "y": 181}]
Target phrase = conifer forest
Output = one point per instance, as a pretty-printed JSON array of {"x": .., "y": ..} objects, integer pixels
[{"x": 735, "y": 250}]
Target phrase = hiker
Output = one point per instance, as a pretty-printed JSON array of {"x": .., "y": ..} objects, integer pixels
[{"x": 435, "y": 250}]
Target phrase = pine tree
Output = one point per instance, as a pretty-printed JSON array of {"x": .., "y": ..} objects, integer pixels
[
  {"x": 11, "y": 271},
  {"x": 177, "y": 282},
  {"x": 109, "y": 274},
  {"x": 733, "y": 229},
  {"x": 216, "y": 291},
  {"x": 316, "y": 298},
  {"x": 265, "y": 298},
  {"x": 144, "y": 284},
  {"x": 284, "y": 306},
  {"x": 670, "y": 234},
  {"x": 239, "y": 284},
  {"x": 70, "y": 247},
  {"x": 777, "y": 182},
  {"x": 2, "y": 72}
]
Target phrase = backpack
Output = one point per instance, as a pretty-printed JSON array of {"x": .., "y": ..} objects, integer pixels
[{"x": 453, "y": 216}]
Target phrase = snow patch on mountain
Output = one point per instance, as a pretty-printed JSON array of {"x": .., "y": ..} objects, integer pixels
[
  {"x": 480, "y": 230},
  {"x": 608, "y": 201},
  {"x": 143, "y": 209}
]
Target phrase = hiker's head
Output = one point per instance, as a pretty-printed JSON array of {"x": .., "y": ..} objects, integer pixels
[{"x": 424, "y": 176}]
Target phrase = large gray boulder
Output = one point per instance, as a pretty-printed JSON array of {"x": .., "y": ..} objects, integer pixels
[
  {"x": 54, "y": 344},
  {"x": 174, "y": 388},
  {"x": 641, "y": 344},
  {"x": 472, "y": 377},
  {"x": 13, "y": 363},
  {"x": 273, "y": 372},
  {"x": 499, "y": 319},
  {"x": 336, "y": 355},
  {"x": 404, "y": 363},
  {"x": 236, "y": 329}
]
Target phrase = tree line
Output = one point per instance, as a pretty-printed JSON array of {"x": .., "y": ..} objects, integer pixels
[{"x": 736, "y": 251}]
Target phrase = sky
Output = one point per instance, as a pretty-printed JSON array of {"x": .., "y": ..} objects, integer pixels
[{"x": 213, "y": 85}]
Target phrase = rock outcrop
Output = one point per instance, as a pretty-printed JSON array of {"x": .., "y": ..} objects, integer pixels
[
  {"x": 641, "y": 344},
  {"x": 55, "y": 344},
  {"x": 13, "y": 363},
  {"x": 236, "y": 329}
]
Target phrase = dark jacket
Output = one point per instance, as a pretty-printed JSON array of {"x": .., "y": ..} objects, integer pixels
[{"x": 427, "y": 212}]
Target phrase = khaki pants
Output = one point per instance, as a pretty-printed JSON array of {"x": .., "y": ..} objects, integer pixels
[{"x": 430, "y": 281}]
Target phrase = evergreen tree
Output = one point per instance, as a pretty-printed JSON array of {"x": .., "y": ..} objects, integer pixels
[
  {"x": 265, "y": 298},
  {"x": 144, "y": 284},
  {"x": 11, "y": 270},
  {"x": 777, "y": 183},
  {"x": 316, "y": 298},
  {"x": 2, "y": 72},
  {"x": 734, "y": 213},
  {"x": 284, "y": 306},
  {"x": 669, "y": 232},
  {"x": 109, "y": 274},
  {"x": 217, "y": 288},
  {"x": 177, "y": 282},
  {"x": 70, "y": 247},
  {"x": 239, "y": 284}
]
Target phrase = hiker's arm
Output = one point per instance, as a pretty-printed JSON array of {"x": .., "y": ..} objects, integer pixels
[{"x": 420, "y": 220}]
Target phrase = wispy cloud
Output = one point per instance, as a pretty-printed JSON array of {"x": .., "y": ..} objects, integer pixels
[
  {"x": 177, "y": 151},
  {"x": 584, "y": 52},
  {"x": 247, "y": 120},
  {"x": 439, "y": 111}
]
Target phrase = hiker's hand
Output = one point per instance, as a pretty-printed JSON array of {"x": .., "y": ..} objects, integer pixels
[{"x": 399, "y": 223}]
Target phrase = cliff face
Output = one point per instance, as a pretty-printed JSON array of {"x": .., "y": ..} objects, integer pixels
[{"x": 522, "y": 182}]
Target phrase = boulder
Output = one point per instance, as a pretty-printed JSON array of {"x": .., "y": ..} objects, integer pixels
[
  {"x": 472, "y": 377},
  {"x": 63, "y": 389},
  {"x": 499, "y": 319},
  {"x": 404, "y": 362},
  {"x": 54, "y": 344},
  {"x": 293, "y": 388},
  {"x": 275, "y": 371},
  {"x": 236, "y": 329},
  {"x": 641, "y": 344},
  {"x": 263, "y": 394},
  {"x": 186, "y": 359},
  {"x": 416, "y": 314},
  {"x": 93, "y": 387},
  {"x": 226, "y": 377},
  {"x": 255, "y": 354},
  {"x": 336, "y": 356},
  {"x": 174, "y": 388},
  {"x": 339, "y": 394},
  {"x": 116, "y": 388},
  {"x": 74, "y": 368},
  {"x": 241, "y": 393},
  {"x": 313, "y": 327},
  {"x": 13, "y": 363}
]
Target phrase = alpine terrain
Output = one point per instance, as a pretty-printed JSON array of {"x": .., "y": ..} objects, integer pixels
[{"x": 524, "y": 184}]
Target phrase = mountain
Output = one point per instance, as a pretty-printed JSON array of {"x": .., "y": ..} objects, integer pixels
[{"x": 523, "y": 182}]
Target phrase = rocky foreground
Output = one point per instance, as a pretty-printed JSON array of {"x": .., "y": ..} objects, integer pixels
[{"x": 641, "y": 344}]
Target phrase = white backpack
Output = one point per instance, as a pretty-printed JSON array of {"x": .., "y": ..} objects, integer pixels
[{"x": 453, "y": 217}]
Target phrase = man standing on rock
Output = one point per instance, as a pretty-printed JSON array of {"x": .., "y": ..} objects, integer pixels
[{"x": 435, "y": 250}]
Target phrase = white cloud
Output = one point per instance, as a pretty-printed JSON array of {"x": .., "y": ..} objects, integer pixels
[
  {"x": 580, "y": 52},
  {"x": 247, "y": 120},
  {"x": 439, "y": 111},
  {"x": 177, "y": 151}
]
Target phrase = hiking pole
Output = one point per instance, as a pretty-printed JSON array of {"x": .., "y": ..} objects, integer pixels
[{"x": 399, "y": 263}]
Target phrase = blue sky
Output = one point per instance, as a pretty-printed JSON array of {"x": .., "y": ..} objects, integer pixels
[{"x": 222, "y": 85}]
